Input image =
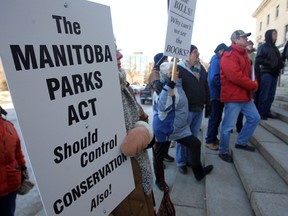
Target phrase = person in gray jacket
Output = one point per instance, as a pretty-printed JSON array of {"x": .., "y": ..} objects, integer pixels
[{"x": 170, "y": 122}]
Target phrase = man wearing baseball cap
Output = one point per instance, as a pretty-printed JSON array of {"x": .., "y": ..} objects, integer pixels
[{"x": 237, "y": 86}]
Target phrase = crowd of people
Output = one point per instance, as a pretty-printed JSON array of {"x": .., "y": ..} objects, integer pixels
[{"x": 237, "y": 90}]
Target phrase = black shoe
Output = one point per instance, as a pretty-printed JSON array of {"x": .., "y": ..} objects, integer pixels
[
  {"x": 183, "y": 170},
  {"x": 169, "y": 158},
  {"x": 245, "y": 147},
  {"x": 200, "y": 172},
  {"x": 162, "y": 186},
  {"x": 264, "y": 118},
  {"x": 226, "y": 157},
  {"x": 272, "y": 116}
]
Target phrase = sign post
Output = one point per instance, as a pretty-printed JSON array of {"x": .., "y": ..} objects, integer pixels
[{"x": 60, "y": 64}]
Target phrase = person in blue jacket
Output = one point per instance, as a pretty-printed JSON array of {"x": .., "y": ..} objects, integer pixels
[
  {"x": 170, "y": 122},
  {"x": 212, "y": 142}
]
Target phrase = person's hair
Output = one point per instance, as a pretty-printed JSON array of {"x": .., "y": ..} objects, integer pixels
[{"x": 192, "y": 47}]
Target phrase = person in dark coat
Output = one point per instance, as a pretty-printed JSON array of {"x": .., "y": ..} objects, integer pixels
[{"x": 269, "y": 61}]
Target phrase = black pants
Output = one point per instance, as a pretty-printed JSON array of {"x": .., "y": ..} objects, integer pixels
[
  {"x": 191, "y": 142},
  {"x": 160, "y": 149}
]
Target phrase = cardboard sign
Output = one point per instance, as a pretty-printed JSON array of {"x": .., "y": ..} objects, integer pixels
[
  {"x": 59, "y": 58},
  {"x": 179, "y": 29}
]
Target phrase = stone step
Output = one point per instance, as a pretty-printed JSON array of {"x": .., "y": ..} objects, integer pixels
[
  {"x": 225, "y": 194},
  {"x": 282, "y": 98},
  {"x": 188, "y": 195},
  {"x": 261, "y": 175},
  {"x": 282, "y": 90},
  {"x": 273, "y": 149},
  {"x": 261, "y": 183},
  {"x": 281, "y": 113},
  {"x": 280, "y": 104},
  {"x": 276, "y": 127}
]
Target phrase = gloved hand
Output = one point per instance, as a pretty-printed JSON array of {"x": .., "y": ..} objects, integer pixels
[
  {"x": 171, "y": 84},
  {"x": 25, "y": 174},
  {"x": 157, "y": 86},
  {"x": 137, "y": 139}
]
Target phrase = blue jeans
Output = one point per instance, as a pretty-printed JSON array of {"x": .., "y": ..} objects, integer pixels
[
  {"x": 214, "y": 121},
  {"x": 231, "y": 112},
  {"x": 267, "y": 91},
  {"x": 183, "y": 157}
]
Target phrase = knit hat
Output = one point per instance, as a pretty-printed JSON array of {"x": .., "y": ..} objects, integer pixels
[
  {"x": 192, "y": 47},
  {"x": 220, "y": 47},
  {"x": 165, "y": 69},
  {"x": 159, "y": 59}
]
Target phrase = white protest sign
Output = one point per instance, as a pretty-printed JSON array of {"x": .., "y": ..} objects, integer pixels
[
  {"x": 59, "y": 59},
  {"x": 180, "y": 27}
]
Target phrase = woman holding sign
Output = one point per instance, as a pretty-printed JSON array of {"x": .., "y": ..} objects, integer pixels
[
  {"x": 170, "y": 122},
  {"x": 140, "y": 201}
]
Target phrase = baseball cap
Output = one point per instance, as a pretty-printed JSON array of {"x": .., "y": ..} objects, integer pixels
[{"x": 239, "y": 33}]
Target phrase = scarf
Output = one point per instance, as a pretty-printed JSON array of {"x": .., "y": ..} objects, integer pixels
[{"x": 131, "y": 115}]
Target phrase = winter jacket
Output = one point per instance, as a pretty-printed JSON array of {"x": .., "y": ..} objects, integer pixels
[
  {"x": 11, "y": 158},
  {"x": 235, "y": 75},
  {"x": 170, "y": 120},
  {"x": 268, "y": 57},
  {"x": 140, "y": 202},
  {"x": 197, "y": 91},
  {"x": 214, "y": 77}
]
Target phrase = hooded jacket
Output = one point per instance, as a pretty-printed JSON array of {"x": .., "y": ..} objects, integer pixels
[
  {"x": 235, "y": 74},
  {"x": 170, "y": 120},
  {"x": 268, "y": 57},
  {"x": 11, "y": 158}
]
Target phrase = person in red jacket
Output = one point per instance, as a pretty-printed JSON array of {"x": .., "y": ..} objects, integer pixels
[
  {"x": 12, "y": 166},
  {"x": 237, "y": 85}
]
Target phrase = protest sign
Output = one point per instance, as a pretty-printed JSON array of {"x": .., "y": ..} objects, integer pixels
[
  {"x": 179, "y": 28},
  {"x": 59, "y": 58}
]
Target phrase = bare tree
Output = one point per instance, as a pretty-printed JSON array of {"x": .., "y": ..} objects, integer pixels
[
  {"x": 147, "y": 72},
  {"x": 133, "y": 76}
]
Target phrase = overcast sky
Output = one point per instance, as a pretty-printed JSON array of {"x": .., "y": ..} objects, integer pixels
[{"x": 140, "y": 26}]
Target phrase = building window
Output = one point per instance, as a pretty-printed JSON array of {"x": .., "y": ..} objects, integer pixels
[
  {"x": 277, "y": 11},
  {"x": 260, "y": 25},
  {"x": 268, "y": 19},
  {"x": 286, "y": 33}
]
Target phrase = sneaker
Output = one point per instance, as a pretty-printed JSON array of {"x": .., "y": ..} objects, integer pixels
[
  {"x": 169, "y": 158},
  {"x": 183, "y": 170},
  {"x": 162, "y": 186},
  {"x": 245, "y": 147},
  {"x": 226, "y": 157},
  {"x": 212, "y": 146}
]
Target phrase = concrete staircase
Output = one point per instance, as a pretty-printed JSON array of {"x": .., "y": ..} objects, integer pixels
[{"x": 257, "y": 182}]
